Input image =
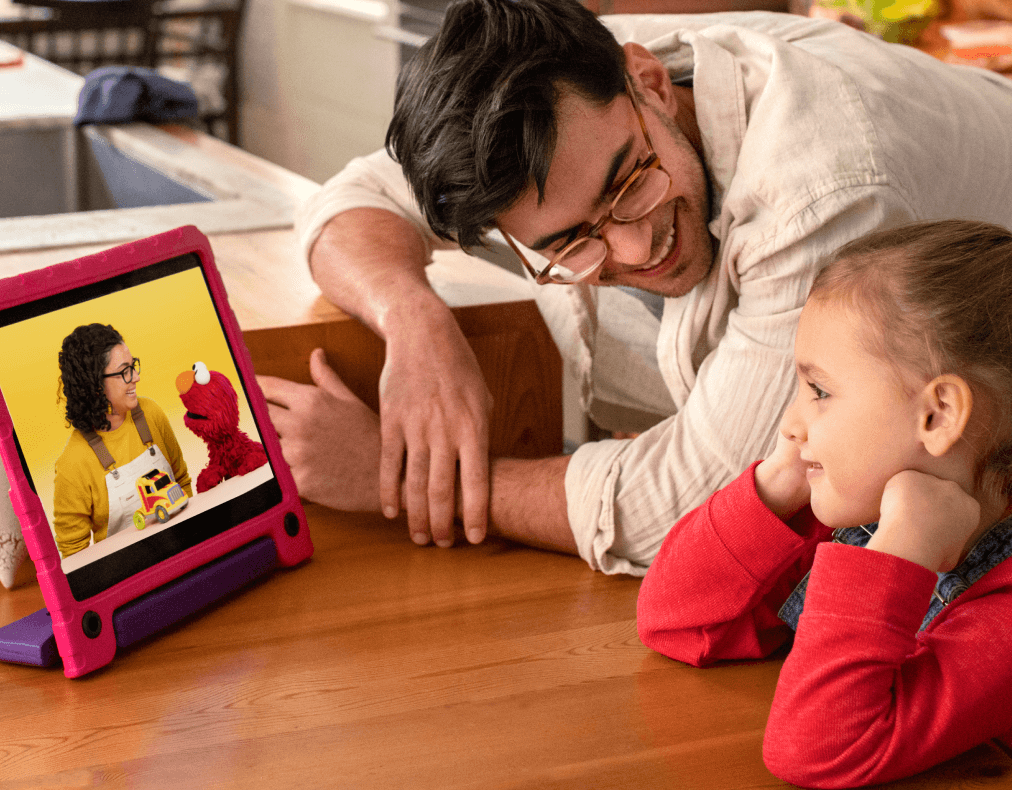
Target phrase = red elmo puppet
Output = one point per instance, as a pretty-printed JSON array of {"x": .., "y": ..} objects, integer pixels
[{"x": 212, "y": 413}]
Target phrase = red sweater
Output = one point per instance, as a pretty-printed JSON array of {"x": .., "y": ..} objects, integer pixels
[{"x": 863, "y": 697}]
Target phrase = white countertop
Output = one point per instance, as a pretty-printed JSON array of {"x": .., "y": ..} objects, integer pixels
[{"x": 37, "y": 92}]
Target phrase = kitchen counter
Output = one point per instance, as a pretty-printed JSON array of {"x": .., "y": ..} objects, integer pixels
[{"x": 266, "y": 282}]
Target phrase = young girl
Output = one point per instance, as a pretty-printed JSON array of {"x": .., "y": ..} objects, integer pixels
[{"x": 902, "y": 654}]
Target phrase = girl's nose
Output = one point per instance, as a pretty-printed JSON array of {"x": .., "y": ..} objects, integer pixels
[
  {"x": 792, "y": 426},
  {"x": 629, "y": 243}
]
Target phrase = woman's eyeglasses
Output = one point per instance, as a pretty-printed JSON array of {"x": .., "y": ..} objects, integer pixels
[
  {"x": 128, "y": 374},
  {"x": 637, "y": 196}
]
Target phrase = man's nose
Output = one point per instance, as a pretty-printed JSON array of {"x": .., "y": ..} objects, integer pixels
[{"x": 630, "y": 243}]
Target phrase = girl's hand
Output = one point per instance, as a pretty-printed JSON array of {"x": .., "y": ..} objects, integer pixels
[
  {"x": 781, "y": 481},
  {"x": 926, "y": 520}
]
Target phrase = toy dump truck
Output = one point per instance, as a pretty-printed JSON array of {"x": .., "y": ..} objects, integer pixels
[{"x": 160, "y": 496}]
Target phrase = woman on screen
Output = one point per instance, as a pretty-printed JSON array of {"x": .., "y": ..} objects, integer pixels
[{"x": 118, "y": 439}]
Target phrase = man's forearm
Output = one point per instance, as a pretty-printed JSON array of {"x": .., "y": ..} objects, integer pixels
[
  {"x": 528, "y": 502},
  {"x": 371, "y": 263}
]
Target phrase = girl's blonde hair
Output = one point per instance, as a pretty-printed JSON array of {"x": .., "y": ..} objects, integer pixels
[{"x": 940, "y": 294}]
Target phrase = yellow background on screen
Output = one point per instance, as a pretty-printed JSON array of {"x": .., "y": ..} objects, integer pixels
[{"x": 168, "y": 324}]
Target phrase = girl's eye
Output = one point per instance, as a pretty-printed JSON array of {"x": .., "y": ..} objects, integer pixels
[{"x": 819, "y": 393}]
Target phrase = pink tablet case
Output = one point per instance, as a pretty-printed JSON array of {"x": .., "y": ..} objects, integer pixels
[{"x": 87, "y": 632}]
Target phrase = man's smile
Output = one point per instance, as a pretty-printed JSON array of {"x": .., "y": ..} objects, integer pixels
[
  {"x": 658, "y": 263},
  {"x": 666, "y": 262}
]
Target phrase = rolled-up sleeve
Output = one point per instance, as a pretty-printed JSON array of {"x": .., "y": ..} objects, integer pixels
[{"x": 373, "y": 181}]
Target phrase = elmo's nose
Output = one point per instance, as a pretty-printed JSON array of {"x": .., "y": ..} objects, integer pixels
[{"x": 184, "y": 381}]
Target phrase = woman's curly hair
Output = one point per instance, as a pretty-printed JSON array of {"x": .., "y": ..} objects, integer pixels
[{"x": 83, "y": 358}]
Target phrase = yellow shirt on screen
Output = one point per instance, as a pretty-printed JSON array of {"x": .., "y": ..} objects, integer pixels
[{"x": 81, "y": 500}]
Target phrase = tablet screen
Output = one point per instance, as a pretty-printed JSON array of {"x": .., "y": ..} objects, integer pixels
[{"x": 79, "y": 365}]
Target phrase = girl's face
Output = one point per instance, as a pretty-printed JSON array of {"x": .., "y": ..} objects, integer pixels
[
  {"x": 122, "y": 395},
  {"x": 852, "y": 420}
]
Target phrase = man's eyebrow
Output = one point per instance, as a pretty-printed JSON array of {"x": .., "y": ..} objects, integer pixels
[{"x": 609, "y": 181}]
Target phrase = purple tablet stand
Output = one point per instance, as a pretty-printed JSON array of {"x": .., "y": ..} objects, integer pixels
[{"x": 30, "y": 640}]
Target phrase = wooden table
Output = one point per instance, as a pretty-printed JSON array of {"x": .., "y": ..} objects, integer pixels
[{"x": 378, "y": 664}]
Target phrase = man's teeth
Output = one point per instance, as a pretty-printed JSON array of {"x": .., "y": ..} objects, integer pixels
[{"x": 669, "y": 243}]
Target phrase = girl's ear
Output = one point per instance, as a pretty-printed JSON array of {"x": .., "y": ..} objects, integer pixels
[
  {"x": 945, "y": 411},
  {"x": 648, "y": 74}
]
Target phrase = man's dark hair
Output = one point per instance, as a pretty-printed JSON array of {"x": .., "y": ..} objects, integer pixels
[
  {"x": 82, "y": 359},
  {"x": 474, "y": 122}
]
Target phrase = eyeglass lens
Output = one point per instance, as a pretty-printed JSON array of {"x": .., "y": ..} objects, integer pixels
[
  {"x": 636, "y": 200},
  {"x": 132, "y": 372}
]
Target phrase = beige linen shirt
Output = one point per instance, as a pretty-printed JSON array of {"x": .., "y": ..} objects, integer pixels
[{"x": 813, "y": 134}]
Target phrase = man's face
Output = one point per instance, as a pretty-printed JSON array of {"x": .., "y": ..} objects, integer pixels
[{"x": 667, "y": 252}]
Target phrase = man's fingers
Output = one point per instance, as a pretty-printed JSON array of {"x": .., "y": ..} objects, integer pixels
[
  {"x": 391, "y": 463},
  {"x": 474, "y": 492},
  {"x": 442, "y": 485},
  {"x": 279, "y": 416},
  {"x": 325, "y": 378},
  {"x": 277, "y": 390},
  {"x": 416, "y": 493}
]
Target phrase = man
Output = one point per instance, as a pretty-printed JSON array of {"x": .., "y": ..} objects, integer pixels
[{"x": 709, "y": 172}]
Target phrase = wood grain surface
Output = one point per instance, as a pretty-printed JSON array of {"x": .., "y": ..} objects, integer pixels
[{"x": 377, "y": 664}]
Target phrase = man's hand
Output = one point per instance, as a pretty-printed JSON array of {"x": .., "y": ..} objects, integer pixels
[
  {"x": 434, "y": 405},
  {"x": 330, "y": 438},
  {"x": 926, "y": 520},
  {"x": 434, "y": 412},
  {"x": 781, "y": 481}
]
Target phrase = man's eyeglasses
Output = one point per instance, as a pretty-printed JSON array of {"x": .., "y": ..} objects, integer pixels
[
  {"x": 128, "y": 374},
  {"x": 637, "y": 196}
]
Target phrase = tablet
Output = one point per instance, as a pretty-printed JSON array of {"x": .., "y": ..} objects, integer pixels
[{"x": 142, "y": 464}]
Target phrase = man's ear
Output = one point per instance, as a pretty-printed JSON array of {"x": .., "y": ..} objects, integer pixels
[
  {"x": 648, "y": 74},
  {"x": 946, "y": 403}
]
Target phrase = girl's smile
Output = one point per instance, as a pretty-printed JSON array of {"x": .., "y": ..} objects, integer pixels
[
  {"x": 854, "y": 417},
  {"x": 122, "y": 396}
]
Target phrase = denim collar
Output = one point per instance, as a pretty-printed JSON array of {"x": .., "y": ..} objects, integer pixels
[{"x": 994, "y": 547}]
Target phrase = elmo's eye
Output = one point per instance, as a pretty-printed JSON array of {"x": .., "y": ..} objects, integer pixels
[{"x": 200, "y": 373}]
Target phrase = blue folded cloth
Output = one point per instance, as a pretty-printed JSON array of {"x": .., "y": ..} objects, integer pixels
[{"x": 121, "y": 94}]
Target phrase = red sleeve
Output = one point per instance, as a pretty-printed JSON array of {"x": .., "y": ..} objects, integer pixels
[
  {"x": 721, "y": 576},
  {"x": 863, "y": 697}
]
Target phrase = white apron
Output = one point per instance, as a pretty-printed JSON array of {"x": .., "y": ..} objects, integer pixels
[
  {"x": 121, "y": 486},
  {"x": 121, "y": 481}
]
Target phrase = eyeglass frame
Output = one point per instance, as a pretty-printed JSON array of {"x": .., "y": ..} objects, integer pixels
[
  {"x": 134, "y": 368},
  {"x": 652, "y": 161}
]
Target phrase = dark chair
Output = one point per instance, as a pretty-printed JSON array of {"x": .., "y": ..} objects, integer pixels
[
  {"x": 195, "y": 41},
  {"x": 82, "y": 36},
  {"x": 198, "y": 42}
]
